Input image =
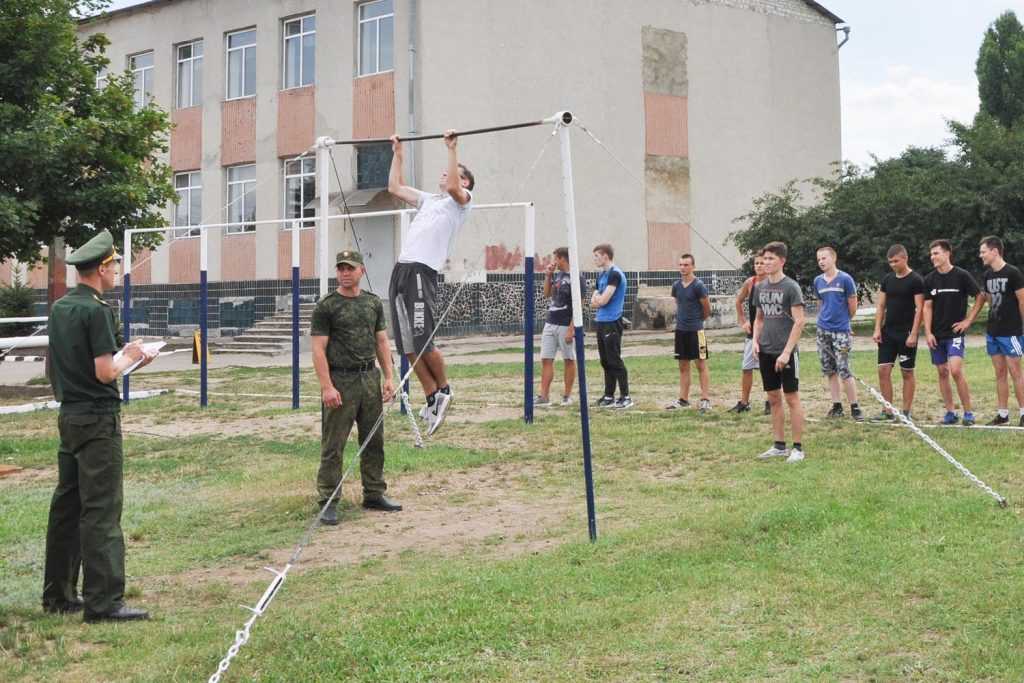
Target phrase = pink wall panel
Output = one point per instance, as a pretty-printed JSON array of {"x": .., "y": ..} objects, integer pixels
[
  {"x": 37, "y": 276},
  {"x": 184, "y": 261},
  {"x": 307, "y": 253},
  {"x": 6, "y": 273},
  {"x": 238, "y": 257},
  {"x": 187, "y": 139},
  {"x": 373, "y": 106},
  {"x": 238, "y": 132},
  {"x": 142, "y": 274},
  {"x": 665, "y": 118},
  {"x": 666, "y": 242},
  {"x": 296, "y": 118}
]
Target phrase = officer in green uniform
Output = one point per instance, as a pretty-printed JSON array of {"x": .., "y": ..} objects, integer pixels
[
  {"x": 84, "y": 529},
  {"x": 348, "y": 330}
]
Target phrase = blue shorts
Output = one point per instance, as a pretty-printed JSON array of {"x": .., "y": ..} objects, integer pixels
[
  {"x": 954, "y": 347},
  {"x": 1004, "y": 346}
]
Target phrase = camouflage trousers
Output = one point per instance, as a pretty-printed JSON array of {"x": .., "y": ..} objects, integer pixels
[{"x": 361, "y": 405}]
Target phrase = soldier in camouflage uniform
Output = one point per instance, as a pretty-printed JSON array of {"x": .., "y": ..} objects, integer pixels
[
  {"x": 84, "y": 528},
  {"x": 348, "y": 331}
]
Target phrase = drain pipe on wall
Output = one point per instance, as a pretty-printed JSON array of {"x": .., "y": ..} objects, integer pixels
[{"x": 844, "y": 29}]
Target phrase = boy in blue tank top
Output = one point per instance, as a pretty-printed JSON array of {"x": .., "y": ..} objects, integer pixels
[{"x": 607, "y": 301}]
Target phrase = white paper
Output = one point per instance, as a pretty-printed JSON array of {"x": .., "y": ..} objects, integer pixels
[{"x": 150, "y": 349}]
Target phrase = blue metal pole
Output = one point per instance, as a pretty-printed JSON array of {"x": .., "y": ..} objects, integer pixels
[
  {"x": 295, "y": 337},
  {"x": 203, "y": 329},
  {"x": 528, "y": 306},
  {"x": 403, "y": 364},
  {"x": 588, "y": 469},
  {"x": 126, "y": 318}
]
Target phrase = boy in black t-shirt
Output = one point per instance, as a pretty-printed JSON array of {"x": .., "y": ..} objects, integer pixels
[
  {"x": 1004, "y": 334},
  {"x": 897, "y": 327},
  {"x": 946, "y": 321}
]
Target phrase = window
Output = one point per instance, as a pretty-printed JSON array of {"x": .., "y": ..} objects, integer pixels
[
  {"x": 190, "y": 74},
  {"x": 101, "y": 78},
  {"x": 299, "y": 190},
  {"x": 241, "y": 64},
  {"x": 241, "y": 198},
  {"x": 376, "y": 37},
  {"x": 373, "y": 163},
  {"x": 141, "y": 67},
  {"x": 299, "y": 52},
  {"x": 189, "y": 208}
]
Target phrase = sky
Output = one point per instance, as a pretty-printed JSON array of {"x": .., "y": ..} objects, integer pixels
[{"x": 907, "y": 70}]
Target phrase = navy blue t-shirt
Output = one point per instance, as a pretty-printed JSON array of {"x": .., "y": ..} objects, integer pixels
[
  {"x": 689, "y": 310},
  {"x": 560, "y": 308}
]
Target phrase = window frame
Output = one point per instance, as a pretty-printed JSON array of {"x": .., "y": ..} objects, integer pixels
[
  {"x": 195, "y": 64},
  {"x": 304, "y": 222},
  {"x": 151, "y": 68},
  {"x": 228, "y": 183},
  {"x": 227, "y": 62},
  {"x": 359, "y": 38},
  {"x": 300, "y": 36},
  {"x": 188, "y": 233}
]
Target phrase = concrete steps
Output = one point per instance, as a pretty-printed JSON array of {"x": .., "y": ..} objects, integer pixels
[{"x": 271, "y": 336}]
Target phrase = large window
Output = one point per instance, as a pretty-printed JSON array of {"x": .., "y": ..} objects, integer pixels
[
  {"x": 189, "y": 208},
  {"x": 190, "y": 74},
  {"x": 299, "y": 190},
  {"x": 241, "y": 198},
  {"x": 299, "y": 52},
  {"x": 102, "y": 78},
  {"x": 241, "y": 64},
  {"x": 373, "y": 163},
  {"x": 376, "y": 37},
  {"x": 141, "y": 67}
]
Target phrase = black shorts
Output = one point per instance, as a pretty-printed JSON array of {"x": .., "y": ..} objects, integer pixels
[
  {"x": 788, "y": 380},
  {"x": 691, "y": 345},
  {"x": 413, "y": 297},
  {"x": 894, "y": 349}
]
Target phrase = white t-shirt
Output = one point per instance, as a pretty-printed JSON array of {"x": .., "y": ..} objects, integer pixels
[{"x": 434, "y": 229}]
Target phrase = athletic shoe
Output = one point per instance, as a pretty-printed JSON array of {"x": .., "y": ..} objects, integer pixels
[
  {"x": 856, "y": 413},
  {"x": 773, "y": 452},
  {"x": 795, "y": 455},
  {"x": 567, "y": 401},
  {"x": 950, "y": 418},
  {"x": 968, "y": 420},
  {"x": 767, "y": 407},
  {"x": 1022, "y": 420},
  {"x": 604, "y": 402},
  {"x": 424, "y": 414},
  {"x": 836, "y": 411},
  {"x": 623, "y": 403},
  {"x": 998, "y": 421},
  {"x": 907, "y": 414},
  {"x": 705, "y": 405},
  {"x": 740, "y": 407},
  {"x": 438, "y": 411},
  {"x": 678, "y": 404},
  {"x": 883, "y": 417},
  {"x": 541, "y": 402}
]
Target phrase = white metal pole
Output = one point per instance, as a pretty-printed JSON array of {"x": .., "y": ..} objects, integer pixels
[
  {"x": 126, "y": 257},
  {"x": 322, "y": 147},
  {"x": 569, "y": 205}
]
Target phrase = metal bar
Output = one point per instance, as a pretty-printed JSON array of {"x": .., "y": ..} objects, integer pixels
[
  {"x": 204, "y": 327},
  {"x": 323, "y": 225},
  {"x": 296, "y": 264},
  {"x": 528, "y": 315},
  {"x": 126, "y": 319},
  {"x": 15, "y": 321},
  {"x": 438, "y": 136}
]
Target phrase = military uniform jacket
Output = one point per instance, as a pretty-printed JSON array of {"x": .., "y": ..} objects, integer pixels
[
  {"x": 82, "y": 326},
  {"x": 351, "y": 325}
]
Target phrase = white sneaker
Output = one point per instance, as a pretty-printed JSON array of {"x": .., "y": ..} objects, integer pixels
[
  {"x": 773, "y": 452},
  {"x": 438, "y": 411},
  {"x": 704, "y": 406},
  {"x": 795, "y": 455},
  {"x": 568, "y": 400},
  {"x": 425, "y": 413}
]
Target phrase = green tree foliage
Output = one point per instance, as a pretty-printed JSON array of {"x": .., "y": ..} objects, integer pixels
[
  {"x": 73, "y": 157},
  {"x": 16, "y": 302},
  {"x": 1000, "y": 70}
]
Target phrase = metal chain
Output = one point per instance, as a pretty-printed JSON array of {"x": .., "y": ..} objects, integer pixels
[
  {"x": 934, "y": 444},
  {"x": 406, "y": 404}
]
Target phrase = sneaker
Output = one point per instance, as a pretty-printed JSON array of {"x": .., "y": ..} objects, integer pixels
[
  {"x": 604, "y": 402},
  {"x": 998, "y": 421},
  {"x": 795, "y": 455},
  {"x": 950, "y": 418},
  {"x": 678, "y": 404},
  {"x": 424, "y": 413},
  {"x": 837, "y": 411},
  {"x": 907, "y": 414},
  {"x": 767, "y": 407},
  {"x": 567, "y": 401},
  {"x": 704, "y": 406},
  {"x": 623, "y": 403},
  {"x": 968, "y": 420},
  {"x": 773, "y": 452},
  {"x": 541, "y": 402},
  {"x": 438, "y": 411},
  {"x": 740, "y": 407},
  {"x": 883, "y": 417},
  {"x": 856, "y": 413}
]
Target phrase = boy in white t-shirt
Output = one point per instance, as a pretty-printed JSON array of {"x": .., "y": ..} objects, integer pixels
[{"x": 413, "y": 290}]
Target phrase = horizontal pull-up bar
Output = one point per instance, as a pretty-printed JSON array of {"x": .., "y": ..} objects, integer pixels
[{"x": 565, "y": 117}]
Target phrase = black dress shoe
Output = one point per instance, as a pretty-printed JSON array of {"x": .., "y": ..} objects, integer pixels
[
  {"x": 381, "y": 503},
  {"x": 64, "y": 607},
  {"x": 330, "y": 516},
  {"x": 120, "y": 613}
]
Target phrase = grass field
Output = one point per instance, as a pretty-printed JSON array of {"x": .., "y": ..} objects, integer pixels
[{"x": 871, "y": 560}]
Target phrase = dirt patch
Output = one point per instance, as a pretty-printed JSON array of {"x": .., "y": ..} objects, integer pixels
[
  {"x": 29, "y": 475},
  {"x": 12, "y": 394},
  {"x": 267, "y": 427}
]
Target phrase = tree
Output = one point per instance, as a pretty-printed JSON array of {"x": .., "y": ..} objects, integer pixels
[
  {"x": 1000, "y": 70},
  {"x": 74, "y": 157}
]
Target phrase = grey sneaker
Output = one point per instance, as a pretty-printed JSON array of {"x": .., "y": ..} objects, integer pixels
[
  {"x": 740, "y": 407},
  {"x": 623, "y": 403},
  {"x": 773, "y": 452},
  {"x": 438, "y": 411},
  {"x": 856, "y": 413},
  {"x": 704, "y": 405},
  {"x": 604, "y": 402},
  {"x": 567, "y": 401},
  {"x": 541, "y": 402},
  {"x": 883, "y": 417},
  {"x": 678, "y": 404},
  {"x": 835, "y": 412},
  {"x": 795, "y": 455}
]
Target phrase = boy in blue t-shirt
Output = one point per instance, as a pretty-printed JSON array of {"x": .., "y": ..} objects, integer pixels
[
  {"x": 607, "y": 301},
  {"x": 837, "y": 293},
  {"x": 693, "y": 307}
]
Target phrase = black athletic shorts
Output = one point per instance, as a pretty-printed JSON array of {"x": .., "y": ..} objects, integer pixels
[
  {"x": 788, "y": 380},
  {"x": 691, "y": 345},
  {"x": 894, "y": 349},
  {"x": 413, "y": 297}
]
